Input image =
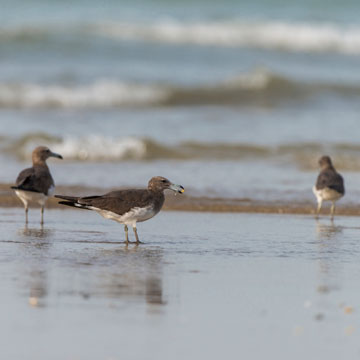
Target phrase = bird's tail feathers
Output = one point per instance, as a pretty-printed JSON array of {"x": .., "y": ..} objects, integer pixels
[{"x": 74, "y": 204}]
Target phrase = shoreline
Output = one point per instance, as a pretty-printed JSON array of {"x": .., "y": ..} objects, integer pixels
[{"x": 196, "y": 204}]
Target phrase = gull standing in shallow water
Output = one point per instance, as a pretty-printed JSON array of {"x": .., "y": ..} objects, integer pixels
[
  {"x": 127, "y": 206},
  {"x": 329, "y": 185},
  {"x": 35, "y": 184}
]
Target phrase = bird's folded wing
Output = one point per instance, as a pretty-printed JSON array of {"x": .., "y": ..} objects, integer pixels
[
  {"x": 119, "y": 202},
  {"x": 36, "y": 180},
  {"x": 27, "y": 181},
  {"x": 331, "y": 180}
]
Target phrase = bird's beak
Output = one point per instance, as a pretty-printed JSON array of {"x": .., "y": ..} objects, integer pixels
[
  {"x": 177, "y": 188},
  {"x": 55, "y": 155}
]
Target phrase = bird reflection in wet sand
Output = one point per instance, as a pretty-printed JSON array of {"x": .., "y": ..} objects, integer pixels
[
  {"x": 328, "y": 231},
  {"x": 330, "y": 268},
  {"x": 35, "y": 273},
  {"x": 139, "y": 277},
  {"x": 35, "y": 233},
  {"x": 154, "y": 291}
]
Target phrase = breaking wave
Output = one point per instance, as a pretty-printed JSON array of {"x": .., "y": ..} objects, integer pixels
[
  {"x": 257, "y": 88},
  {"x": 306, "y": 37},
  {"x": 94, "y": 148},
  {"x": 277, "y": 35},
  {"x": 100, "y": 94}
]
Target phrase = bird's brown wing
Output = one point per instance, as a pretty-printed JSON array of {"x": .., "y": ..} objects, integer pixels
[
  {"x": 120, "y": 202},
  {"x": 330, "y": 179},
  {"x": 34, "y": 179}
]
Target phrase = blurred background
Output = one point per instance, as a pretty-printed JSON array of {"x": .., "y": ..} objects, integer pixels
[{"x": 230, "y": 99}]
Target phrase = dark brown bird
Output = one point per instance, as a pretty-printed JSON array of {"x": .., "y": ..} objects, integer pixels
[
  {"x": 127, "y": 206},
  {"x": 36, "y": 183},
  {"x": 329, "y": 185}
]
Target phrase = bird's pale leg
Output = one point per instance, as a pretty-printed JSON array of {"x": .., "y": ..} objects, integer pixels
[
  {"x": 318, "y": 209},
  {"x": 42, "y": 215},
  {"x": 26, "y": 214},
  {"x": 126, "y": 234},
  {"x": 332, "y": 211},
  {"x": 26, "y": 206},
  {"x": 136, "y": 235}
]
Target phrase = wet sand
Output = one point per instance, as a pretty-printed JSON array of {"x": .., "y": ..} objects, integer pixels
[
  {"x": 203, "y": 286},
  {"x": 202, "y": 203}
]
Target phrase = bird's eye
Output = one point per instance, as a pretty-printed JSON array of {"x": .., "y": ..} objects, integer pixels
[{"x": 163, "y": 181}]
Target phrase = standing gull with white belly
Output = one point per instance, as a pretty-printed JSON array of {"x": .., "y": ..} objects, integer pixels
[
  {"x": 329, "y": 185},
  {"x": 35, "y": 184},
  {"x": 127, "y": 206}
]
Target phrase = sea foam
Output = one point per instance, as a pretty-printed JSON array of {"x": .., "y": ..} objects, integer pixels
[
  {"x": 95, "y": 148},
  {"x": 256, "y": 87},
  {"x": 308, "y": 37},
  {"x": 273, "y": 35},
  {"x": 102, "y": 93}
]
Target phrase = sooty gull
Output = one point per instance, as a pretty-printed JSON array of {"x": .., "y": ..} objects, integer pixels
[
  {"x": 127, "y": 206},
  {"x": 329, "y": 185},
  {"x": 36, "y": 183}
]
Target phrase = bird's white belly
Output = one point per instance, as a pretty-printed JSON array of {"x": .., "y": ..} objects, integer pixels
[
  {"x": 131, "y": 217},
  {"x": 326, "y": 194},
  {"x": 26, "y": 196}
]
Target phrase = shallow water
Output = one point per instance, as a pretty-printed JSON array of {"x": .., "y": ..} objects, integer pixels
[{"x": 202, "y": 286}]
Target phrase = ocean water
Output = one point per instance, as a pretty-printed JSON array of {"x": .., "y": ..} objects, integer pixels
[{"x": 229, "y": 99}]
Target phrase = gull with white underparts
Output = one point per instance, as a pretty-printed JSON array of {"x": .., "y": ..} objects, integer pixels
[
  {"x": 329, "y": 185},
  {"x": 127, "y": 207},
  {"x": 36, "y": 184}
]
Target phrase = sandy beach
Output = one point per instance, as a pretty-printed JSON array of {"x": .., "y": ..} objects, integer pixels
[
  {"x": 200, "y": 203},
  {"x": 204, "y": 285}
]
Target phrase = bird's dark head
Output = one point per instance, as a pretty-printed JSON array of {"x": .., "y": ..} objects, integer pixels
[
  {"x": 159, "y": 183},
  {"x": 325, "y": 162},
  {"x": 42, "y": 153}
]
